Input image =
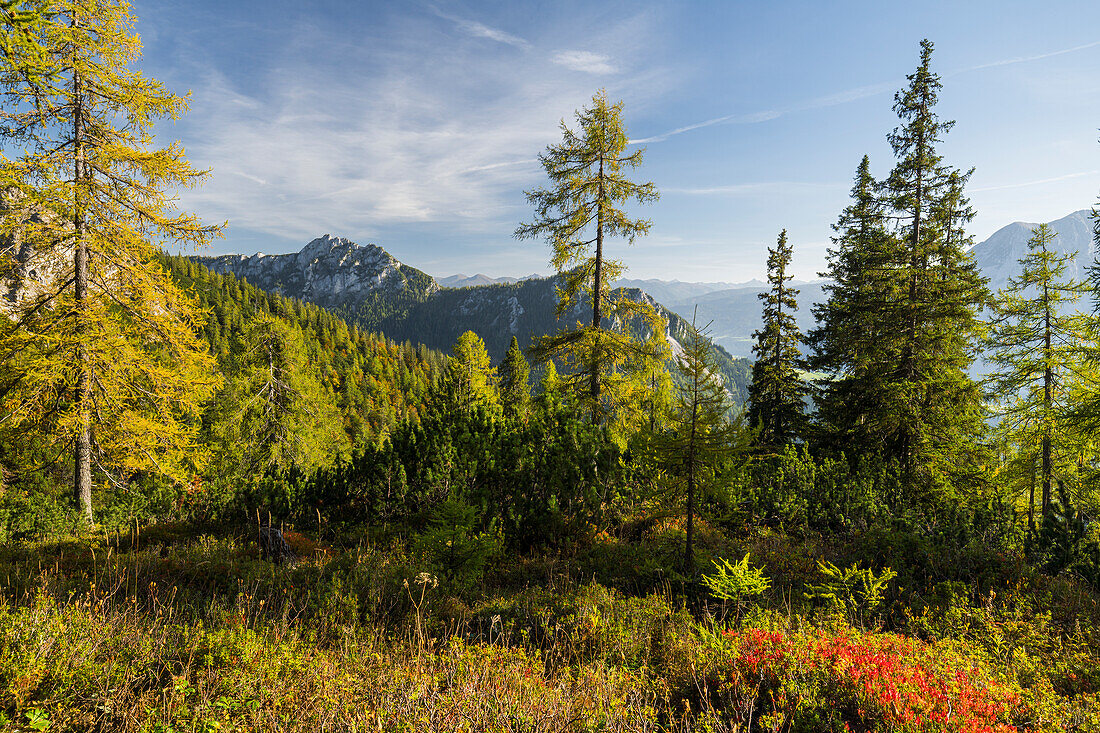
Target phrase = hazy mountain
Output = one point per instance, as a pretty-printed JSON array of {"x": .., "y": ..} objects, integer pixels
[
  {"x": 466, "y": 281},
  {"x": 998, "y": 257},
  {"x": 672, "y": 291},
  {"x": 525, "y": 309},
  {"x": 734, "y": 314}
]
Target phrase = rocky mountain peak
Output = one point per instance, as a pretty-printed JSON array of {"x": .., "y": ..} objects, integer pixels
[
  {"x": 342, "y": 249},
  {"x": 329, "y": 271}
]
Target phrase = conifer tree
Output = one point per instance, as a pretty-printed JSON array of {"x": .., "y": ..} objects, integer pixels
[
  {"x": 848, "y": 343},
  {"x": 936, "y": 411},
  {"x": 655, "y": 401},
  {"x": 469, "y": 380},
  {"x": 273, "y": 412},
  {"x": 550, "y": 382},
  {"x": 897, "y": 333},
  {"x": 577, "y": 214},
  {"x": 103, "y": 357},
  {"x": 21, "y": 37},
  {"x": 702, "y": 436},
  {"x": 1037, "y": 349},
  {"x": 515, "y": 373},
  {"x": 777, "y": 392}
]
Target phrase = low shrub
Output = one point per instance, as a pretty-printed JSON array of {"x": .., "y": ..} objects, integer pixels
[{"x": 852, "y": 681}]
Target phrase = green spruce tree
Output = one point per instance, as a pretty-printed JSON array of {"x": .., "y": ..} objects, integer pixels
[
  {"x": 848, "y": 344},
  {"x": 935, "y": 413},
  {"x": 550, "y": 382},
  {"x": 778, "y": 391},
  {"x": 515, "y": 374},
  {"x": 273, "y": 412},
  {"x": 469, "y": 381},
  {"x": 896, "y": 337}
]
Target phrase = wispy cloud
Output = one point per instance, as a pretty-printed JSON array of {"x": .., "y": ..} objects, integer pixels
[
  {"x": 495, "y": 166},
  {"x": 752, "y": 118},
  {"x": 416, "y": 141},
  {"x": 480, "y": 30},
  {"x": 586, "y": 61},
  {"x": 686, "y": 128},
  {"x": 1038, "y": 182}
]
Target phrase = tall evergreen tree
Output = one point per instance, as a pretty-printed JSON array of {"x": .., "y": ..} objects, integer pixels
[
  {"x": 778, "y": 391},
  {"x": 1037, "y": 346},
  {"x": 577, "y": 214},
  {"x": 550, "y": 382},
  {"x": 934, "y": 321},
  {"x": 104, "y": 358},
  {"x": 848, "y": 343},
  {"x": 896, "y": 336},
  {"x": 515, "y": 374},
  {"x": 273, "y": 412}
]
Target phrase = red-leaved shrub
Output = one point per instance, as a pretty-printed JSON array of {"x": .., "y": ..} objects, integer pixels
[{"x": 852, "y": 681}]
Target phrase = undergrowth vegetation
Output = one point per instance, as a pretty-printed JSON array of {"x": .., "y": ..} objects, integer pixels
[{"x": 169, "y": 629}]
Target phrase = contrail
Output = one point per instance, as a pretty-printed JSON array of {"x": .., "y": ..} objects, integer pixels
[
  {"x": 1035, "y": 183},
  {"x": 1022, "y": 59},
  {"x": 843, "y": 97}
]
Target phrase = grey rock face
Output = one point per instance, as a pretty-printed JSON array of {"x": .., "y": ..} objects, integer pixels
[{"x": 329, "y": 271}]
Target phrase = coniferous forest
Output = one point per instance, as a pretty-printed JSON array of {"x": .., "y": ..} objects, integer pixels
[{"x": 226, "y": 509}]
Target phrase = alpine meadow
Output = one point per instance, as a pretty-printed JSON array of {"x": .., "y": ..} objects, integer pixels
[{"x": 826, "y": 464}]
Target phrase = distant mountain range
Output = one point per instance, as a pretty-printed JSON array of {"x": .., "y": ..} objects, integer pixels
[
  {"x": 471, "y": 281},
  {"x": 368, "y": 286},
  {"x": 733, "y": 309},
  {"x": 735, "y": 313},
  {"x": 675, "y": 291},
  {"x": 665, "y": 291}
]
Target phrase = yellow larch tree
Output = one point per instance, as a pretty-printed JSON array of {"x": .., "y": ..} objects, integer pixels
[{"x": 98, "y": 350}]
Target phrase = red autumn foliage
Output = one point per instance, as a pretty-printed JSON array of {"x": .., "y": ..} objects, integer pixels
[{"x": 860, "y": 682}]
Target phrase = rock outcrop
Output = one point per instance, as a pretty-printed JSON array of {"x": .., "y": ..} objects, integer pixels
[{"x": 331, "y": 272}]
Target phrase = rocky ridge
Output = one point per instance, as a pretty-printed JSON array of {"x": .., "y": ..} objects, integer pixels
[{"x": 329, "y": 271}]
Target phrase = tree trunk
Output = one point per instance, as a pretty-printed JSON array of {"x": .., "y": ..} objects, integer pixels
[
  {"x": 910, "y": 352},
  {"x": 777, "y": 412},
  {"x": 597, "y": 314},
  {"x": 1031, "y": 499},
  {"x": 1048, "y": 400},
  {"x": 82, "y": 459},
  {"x": 689, "y": 539}
]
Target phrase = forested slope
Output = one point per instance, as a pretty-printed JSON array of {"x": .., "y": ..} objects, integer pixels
[{"x": 374, "y": 381}]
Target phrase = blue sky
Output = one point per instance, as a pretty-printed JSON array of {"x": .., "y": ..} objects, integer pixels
[{"x": 415, "y": 125}]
